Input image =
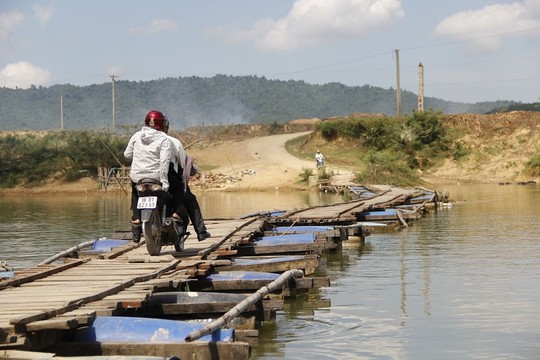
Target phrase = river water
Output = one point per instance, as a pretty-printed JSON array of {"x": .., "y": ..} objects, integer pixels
[{"x": 460, "y": 283}]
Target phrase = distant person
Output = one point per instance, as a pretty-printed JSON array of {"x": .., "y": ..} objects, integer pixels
[
  {"x": 319, "y": 158},
  {"x": 184, "y": 165},
  {"x": 151, "y": 154}
]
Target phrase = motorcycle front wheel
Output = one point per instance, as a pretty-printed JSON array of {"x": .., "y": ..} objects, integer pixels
[{"x": 152, "y": 233}]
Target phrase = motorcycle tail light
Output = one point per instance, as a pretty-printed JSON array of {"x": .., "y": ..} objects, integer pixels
[
  {"x": 140, "y": 187},
  {"x": 155, "y": 187}
]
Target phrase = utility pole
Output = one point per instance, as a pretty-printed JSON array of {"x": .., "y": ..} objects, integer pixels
[
  {"x": 420, "y": 87},
  {"x": 61, "y": 113},
  {"x": 113, "y": 109},
  {"x": 398, "y": 86}
]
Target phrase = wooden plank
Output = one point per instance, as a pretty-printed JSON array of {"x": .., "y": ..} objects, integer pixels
[
  {"x": 308, "y": 262},
  {"x": 28, "y": 355},
  {"x": 121, "y": 251},
  {"x": 101, "y": 277},
  {"x": 199, "y": 308},
  {"x": 22, "y": 279},
  {"x": 248, "y": 336},
  {"x": 73, "y": 303},
  {"x": 56, "y": 323},
  {"x": 232, "y": 285},
  {"x": 215, "y": 246},
  {"x": 311, "y": 282},
  {"x": 195, "y": 350},
  {"x": 42, "y": 315},
  {"x": 315, "y": 247}
]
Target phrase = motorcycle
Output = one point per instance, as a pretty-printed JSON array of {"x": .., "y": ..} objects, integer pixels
[
  {"x": 158, "y": 227},
  {"x": 320, "y": 163}
]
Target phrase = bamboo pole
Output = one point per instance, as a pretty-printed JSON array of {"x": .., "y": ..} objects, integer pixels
[
  {"x": 400, "y": 217},
  {"x": 290, "y": 227},
  {"x": 244, "y": 304},
  {"x": 67, "y": 252},
  {"x": 112, "y": 153}
]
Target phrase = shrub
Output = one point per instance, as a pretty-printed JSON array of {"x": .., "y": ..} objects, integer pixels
[
  {"x": 329, "y": 129},
  {"x": 322, "y": 174},
  {"x": 381, "y": 133},
  {"x": 305, "y": 174},
  {"x": 29, "y": 159},
  {"x": 532, "y": 166},
  {"x": 387, "y": 167},
  {"x": 426, "y": 126}
]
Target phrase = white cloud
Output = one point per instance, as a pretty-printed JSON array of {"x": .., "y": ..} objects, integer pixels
[
  {"x": 22, "y": 75},
  {"x": 8, "y": 22},
  {"x": 154, "y": 27},
  {"x": 532, "y": 9},
  {"x": 492, "y": 20},
  {"x": 312, "y": 22},
  {"x": 43, "y": 13}
]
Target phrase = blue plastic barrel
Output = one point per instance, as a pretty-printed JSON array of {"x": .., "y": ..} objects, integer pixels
[
  {"x": 301, "y": 229},
  {"x": 241, "y": 275},
  {"x": 119, "y": 329},
  {"x": 286, "y": 239},
  {"x": 104, "y": 245}
]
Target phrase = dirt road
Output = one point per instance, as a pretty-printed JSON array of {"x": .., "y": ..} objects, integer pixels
[{"x": 260, "y": 163}]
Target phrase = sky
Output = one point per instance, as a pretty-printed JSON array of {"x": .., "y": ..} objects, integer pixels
[{"x": 470, "y": 50}]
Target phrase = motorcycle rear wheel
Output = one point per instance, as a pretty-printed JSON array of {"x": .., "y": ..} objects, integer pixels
[{"x": 152, "y": 234}]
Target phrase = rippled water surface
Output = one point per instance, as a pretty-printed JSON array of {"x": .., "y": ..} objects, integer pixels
[{"x": 462, "y": 283}]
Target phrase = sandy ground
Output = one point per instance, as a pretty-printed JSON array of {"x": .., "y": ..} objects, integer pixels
[{"x": 260, "y": 163}]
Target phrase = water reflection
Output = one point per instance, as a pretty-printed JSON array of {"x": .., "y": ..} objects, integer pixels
[
  {"x": 234, "y": 204},
  {"x": 458, "y": 284},
  {"x": 34, "y": 228}
]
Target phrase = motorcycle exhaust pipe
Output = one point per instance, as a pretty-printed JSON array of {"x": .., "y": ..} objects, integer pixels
[{"x": 171, "y": 226}]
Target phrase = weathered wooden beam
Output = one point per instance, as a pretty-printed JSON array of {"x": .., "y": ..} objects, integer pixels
[
  {"x": 194, "y": 350},
  {"x": 56, "y": 323},
  {"x": 249, "y": 336},
  {"x": 308, "y": 262},
  {"x": 317, "y": 247},
  {"x": 26, "y": 355}
]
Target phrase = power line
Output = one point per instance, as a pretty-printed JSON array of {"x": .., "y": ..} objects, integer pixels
[
  {"x": 486, "y": 81},
  {"x": 384, "y": 53},
  {"x": 335, "y": 64},
  {"x": 471, "y": 39}
]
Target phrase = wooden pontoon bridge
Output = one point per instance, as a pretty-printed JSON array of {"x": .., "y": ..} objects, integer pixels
[{"x": 105, "y": 297}]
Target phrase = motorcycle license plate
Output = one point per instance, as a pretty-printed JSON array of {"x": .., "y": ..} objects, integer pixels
[{"x": 147, "y": 202}]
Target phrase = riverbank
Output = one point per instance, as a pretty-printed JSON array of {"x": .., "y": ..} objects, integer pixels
[
  {"x": 82, "y": 186},
  {"x": 496, "y": 149}
]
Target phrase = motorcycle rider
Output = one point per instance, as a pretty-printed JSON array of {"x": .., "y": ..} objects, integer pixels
[
  {"x": 184, "y": 164},
  {"x": 151, "y": 155},
  {"x": 319, "y": 157}
]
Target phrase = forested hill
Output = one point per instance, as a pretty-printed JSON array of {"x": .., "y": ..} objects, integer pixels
[{"x": 191, "y": 101}]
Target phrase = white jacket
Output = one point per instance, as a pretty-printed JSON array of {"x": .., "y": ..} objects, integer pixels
[{"x": 151, "y": 152}]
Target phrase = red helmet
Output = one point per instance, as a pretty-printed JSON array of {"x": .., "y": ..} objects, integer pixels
[{"x": 157, "y": 120}]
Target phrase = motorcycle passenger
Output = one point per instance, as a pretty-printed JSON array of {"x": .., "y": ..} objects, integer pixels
[
  {"x": 150, "y": 152},
  {"x": 183, "y": 164}
]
